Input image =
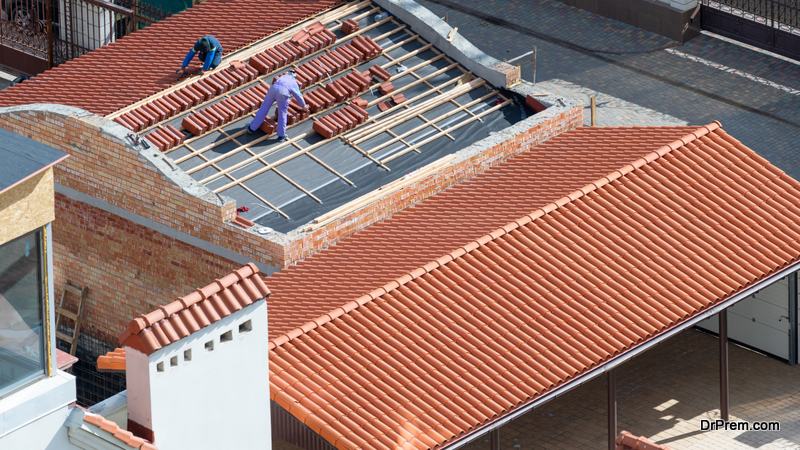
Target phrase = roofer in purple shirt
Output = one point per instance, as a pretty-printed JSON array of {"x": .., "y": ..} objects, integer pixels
[{"x": 279, "y": 92}]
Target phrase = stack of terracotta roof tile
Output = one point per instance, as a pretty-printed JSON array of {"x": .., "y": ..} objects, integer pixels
[
  {"x": 350, "y": 26},
  {"x": 165, "y": 138},
  {"x": 188, "y": 96},
  {"x": 340, "y": 121},
  {"x": 112, "y": 361},
  {"x": 226, "y": 110},
  {"x": 333, "y": 62},
  {"x": 380, "y": 73},
  {"x": 312, "y": 39}
]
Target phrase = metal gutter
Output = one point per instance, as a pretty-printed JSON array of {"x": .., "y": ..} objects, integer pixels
[{"x": 620, "y": 359}]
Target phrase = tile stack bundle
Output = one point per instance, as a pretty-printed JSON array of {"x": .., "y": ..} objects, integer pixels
[
  {"x": 337, "y": 122},
  {"x": 350, "y": 26},
  {"x": 337, "y": 60},
  {"x": 186, "y": 97},
  {"x": 225, "y": 111},
  {"x": 313, "y": 38}
]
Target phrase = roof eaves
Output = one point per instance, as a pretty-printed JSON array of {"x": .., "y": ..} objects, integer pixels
[{"x": 483, "y": 240}]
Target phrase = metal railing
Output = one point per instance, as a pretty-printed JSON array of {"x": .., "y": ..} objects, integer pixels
[{"x": 56, "y": 31}]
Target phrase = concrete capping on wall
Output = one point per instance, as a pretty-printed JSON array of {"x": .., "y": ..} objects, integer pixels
[
  {"x": 667, "y": 18},
  {"x": 435, "y": 30},
  {"x": 118, "y": 133}
]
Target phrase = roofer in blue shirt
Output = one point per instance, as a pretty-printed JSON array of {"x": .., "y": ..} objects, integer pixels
[
  {"x": 208, "y": 49},
  {"x": 279, "y": 92}
]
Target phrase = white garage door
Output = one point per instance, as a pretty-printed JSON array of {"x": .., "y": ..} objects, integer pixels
[{"x": 760, "y": 321}]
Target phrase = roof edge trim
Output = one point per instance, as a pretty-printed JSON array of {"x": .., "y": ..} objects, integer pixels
[
  {"x": 29, "y": 176},
  {"x": 499, "y": 232}
]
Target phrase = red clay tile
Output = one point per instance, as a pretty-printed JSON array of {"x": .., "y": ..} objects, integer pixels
[
  {"x": 399, "y": 98},
  {"x": 379, "y": 72},
  {"x": 360, "y": 102},
  {"x": 315, "y": 27},
  {"x": 627, "y": 441},
  {"x": 335, "y": 91},
  {"x": 326, "y": 96},
  {"x": 320, "y": 128},
  {"x": 357, "y": 108},
  {"x": 386, "y": 88},
  {"x": 268, "y": 126},
  {"x": 378, "y": 49},
  {"x": 245, "y": 285},
  {"x": 385, "y": 106},
  {"x": 359, "y": 55},
  {"x": 301, "y": 36},
  {"x": 344, "y": 63},
  {"x": 122, "y": 121},
  {"x": 158, "y": 141},
  {"x": 113, "y": 361},
  {"x": 242, "y": 222},
  {"x": 176, "y": 132}
]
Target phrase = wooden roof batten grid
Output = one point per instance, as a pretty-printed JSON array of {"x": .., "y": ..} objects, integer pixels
[{"x": 356, "y": 137}]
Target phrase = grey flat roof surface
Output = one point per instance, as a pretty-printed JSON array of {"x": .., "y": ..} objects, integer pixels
[{"x": 21, "y": 157}]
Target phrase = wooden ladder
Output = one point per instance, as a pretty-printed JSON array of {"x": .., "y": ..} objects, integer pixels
[{"x": 62, "y": 312}]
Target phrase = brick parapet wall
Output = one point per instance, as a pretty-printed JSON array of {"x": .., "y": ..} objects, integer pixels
[
  {"x": 385, "y": 207},
  {"x": 109, "y": 169}
]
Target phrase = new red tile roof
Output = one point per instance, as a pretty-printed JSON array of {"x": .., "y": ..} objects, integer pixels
[
  {"x": 125, "y": 436},
  {"x": 144, "y": 63},
  {"x": 413, "y": 237},
  {"x": 481, "y": 331},
  {"x": 170, "y": 323}
]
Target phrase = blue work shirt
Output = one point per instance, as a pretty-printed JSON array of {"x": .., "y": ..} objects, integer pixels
[{"x": 208, "y": 58}]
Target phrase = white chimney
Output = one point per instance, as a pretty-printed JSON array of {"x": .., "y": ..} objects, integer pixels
[{"x": 198, "y": 368}]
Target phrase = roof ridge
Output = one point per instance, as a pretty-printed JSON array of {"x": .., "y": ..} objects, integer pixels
[{"x": 501, "y": 231}]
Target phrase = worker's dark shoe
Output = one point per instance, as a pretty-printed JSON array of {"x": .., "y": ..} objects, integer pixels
[
  {"x": 281, "y": 138},
  {"x": 249, "y": 131}
]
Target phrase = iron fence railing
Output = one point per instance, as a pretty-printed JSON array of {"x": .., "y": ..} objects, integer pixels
[
  {"x": 780, "y": 14},
  {"x": 76, "y": 26}
]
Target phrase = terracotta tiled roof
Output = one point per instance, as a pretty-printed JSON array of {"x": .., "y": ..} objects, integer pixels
[
  {"x": 113, "y": 361},
  {"x": 476, "y": 333},
  {"x": 125, "y": 436},
  {"x": 170, "y": 323},
  {"x": 144, "y": 63},
  {"x": 371, "y": 258}
]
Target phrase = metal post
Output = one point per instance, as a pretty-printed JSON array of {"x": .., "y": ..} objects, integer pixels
[
  {"x": 534, "y": 65},
  {"x": 594, "y": 112},
  {"x": 49, "y": 20},
  {"x": 724, "y": 398},
  {"x": 612, "y": 408},
  {"x": 494, "y": 439},
  {"x": 793, "y": 335}
]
